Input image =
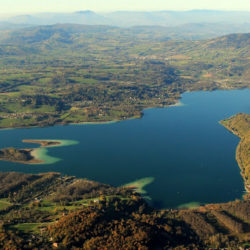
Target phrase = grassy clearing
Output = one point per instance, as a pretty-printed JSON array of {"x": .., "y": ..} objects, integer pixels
[
  {"x": 4, "y": 204},
  {"x": 29, "y": 227},
  {"x": 53, "y": 207}
]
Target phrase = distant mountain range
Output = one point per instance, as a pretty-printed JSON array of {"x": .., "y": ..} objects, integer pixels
[
  {"x": 61, "y": 35},
  {"x": 162, "y": 25},
  {"x": 130, "y": 18},
  {"x": 192, "y": 31}
]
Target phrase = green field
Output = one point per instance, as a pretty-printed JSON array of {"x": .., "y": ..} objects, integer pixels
[
  {"x": 4, "y": 203},
  {"x": 64, "y": 74}
]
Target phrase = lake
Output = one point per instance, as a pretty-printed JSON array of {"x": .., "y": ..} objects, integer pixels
[{"x": 184, "y": 149}]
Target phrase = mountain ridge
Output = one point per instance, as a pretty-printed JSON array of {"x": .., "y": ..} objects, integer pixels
[
  {"x": 132, "y": 18},
  {"x": 33, "y": 34}
]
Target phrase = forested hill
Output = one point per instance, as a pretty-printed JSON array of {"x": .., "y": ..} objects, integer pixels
[
  {"x": 68, "y": 33},
  {"x": 50, "y": 210},
  {"x": 230, "y": 41},
  {"x": 240, "y": 126},
  {"x": 76, "y": 36}
]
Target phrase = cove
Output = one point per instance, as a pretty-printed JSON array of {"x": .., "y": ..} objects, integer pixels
[{"x": 187, "y": 154}]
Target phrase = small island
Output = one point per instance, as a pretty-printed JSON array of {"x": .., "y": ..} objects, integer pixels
[
  {"x": 240, "y": 126},
  {"x": 18, "y": 155},
  {"x": 26, "y": 156},
  {"x": 44, "y": 143}
]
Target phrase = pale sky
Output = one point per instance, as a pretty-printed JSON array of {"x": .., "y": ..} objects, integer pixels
[{"x": 35, "y": 6}]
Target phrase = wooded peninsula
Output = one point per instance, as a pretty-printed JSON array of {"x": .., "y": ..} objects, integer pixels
[
  {"x": 240, "y": 126},
  {"x": 25, "y": 156}
]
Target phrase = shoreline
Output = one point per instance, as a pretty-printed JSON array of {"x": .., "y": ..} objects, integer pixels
[
  {"x": 241, "y": 165},
  {"x": 41, "y": 153},
  {"x": 177, "y": 104},
  {"x": 38, "y": 156},
  {"x": 139, "y": 185},
  {"x": 32, "y": 161},
  {"x": 43, "y": 143}
]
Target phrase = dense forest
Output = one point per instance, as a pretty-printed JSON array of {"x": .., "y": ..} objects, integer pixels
[{"x": 63, "y": 74}]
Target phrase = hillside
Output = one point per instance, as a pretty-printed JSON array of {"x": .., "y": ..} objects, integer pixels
[
  {"x": 240, "y": 126},
  {"x": 230, "y": 41},
  {"x": 49, "y": 210},
  {"x": 102, "y": 73},
  {"x": 15, "y": 155},
  {"x": 190, "y": 31}
]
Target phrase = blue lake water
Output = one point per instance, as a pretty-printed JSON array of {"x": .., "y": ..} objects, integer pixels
[{"x": 189, "y": 154}]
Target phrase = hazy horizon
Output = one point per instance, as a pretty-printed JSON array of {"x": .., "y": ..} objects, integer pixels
[
  {"x": 9, "y": 15},
  {"x": 16, "y": 7}
]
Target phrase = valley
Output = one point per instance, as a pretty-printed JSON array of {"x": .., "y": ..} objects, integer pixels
[{"x": 64, "y": 74}]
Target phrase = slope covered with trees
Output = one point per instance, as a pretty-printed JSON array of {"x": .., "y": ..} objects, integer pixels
[
  {"x": 52, "y": 211},
  {"x": 240, "y": 126}
]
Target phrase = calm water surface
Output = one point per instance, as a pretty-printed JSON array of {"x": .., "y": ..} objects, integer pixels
[{"x": 190, "y": 155}]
